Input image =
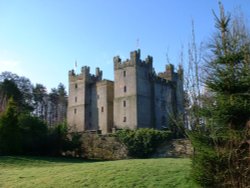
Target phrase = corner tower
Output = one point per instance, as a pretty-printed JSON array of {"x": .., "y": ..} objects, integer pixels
[
  {"x": 82, "y": 113},
  {"x": 133, "y": 92}
]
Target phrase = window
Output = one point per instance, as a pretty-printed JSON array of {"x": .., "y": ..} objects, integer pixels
[
  {"x": 76, "y": 86},
  {"x": 102, "y": 109},
  {"x": 124, "y": 73},
  {"x": 124, "y": 103},
  {"x": 124, "y": 119},
  {"x": 75, "y": 111},
  {"x": 125, "y": 89},
  {"x": 75, "y": 99}
]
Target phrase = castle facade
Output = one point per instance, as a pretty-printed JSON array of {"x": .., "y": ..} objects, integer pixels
[{"x": 137, "y": 98}]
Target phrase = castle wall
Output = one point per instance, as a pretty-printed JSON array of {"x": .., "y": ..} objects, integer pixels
[
  {"x": 138, "y": 97},
  {"x": 163, "y": 99},
  {"x": 92, "y": 115},
  {"x": 76, "y": 102},
  {"x": 105, "y": 96},
  {"x": 125, "y": 99},
  {"x": 144, "y": 97}
]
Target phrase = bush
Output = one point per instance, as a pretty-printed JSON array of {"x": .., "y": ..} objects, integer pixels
[
  {"x": 33, "y": 133},
  {"x": 10, "y": 137},
  {"x": 142, "y": 143},
  {"x": 59, "y": 140}
]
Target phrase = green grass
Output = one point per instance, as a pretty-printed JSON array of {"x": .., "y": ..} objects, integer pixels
[{"x": 59, "y": 172}]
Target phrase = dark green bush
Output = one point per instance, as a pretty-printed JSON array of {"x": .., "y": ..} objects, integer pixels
[
  {"x": 59, "y": 140},
  {"x": 142, "y": 143},
  {"x": 33, "y": 134}
]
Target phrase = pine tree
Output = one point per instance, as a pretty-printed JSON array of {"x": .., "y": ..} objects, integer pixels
[
  {"x": 9, "y": 130},
  {"x": 222, "y": 147}
]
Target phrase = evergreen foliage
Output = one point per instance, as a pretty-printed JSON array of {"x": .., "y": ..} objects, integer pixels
[
  {"x": 221, "y": 156},
  {"x": 142, "y": 143},
  {"x": 10, "y": 137},
  {"x": 33, "y": 134}
]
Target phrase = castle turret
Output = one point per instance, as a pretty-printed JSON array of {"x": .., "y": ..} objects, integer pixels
[
  {"x": 138, "y": 97},
  {"x": 133, "y": 91},
  {"x": 135, "y": 56},
  {"x": 83, "y": 111}
]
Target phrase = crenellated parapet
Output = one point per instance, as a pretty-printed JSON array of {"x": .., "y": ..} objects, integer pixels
[
  {"x": 133, "y": 61},
  {"x": 170, "y": 74},
  {"x": 85, "y": 75}
]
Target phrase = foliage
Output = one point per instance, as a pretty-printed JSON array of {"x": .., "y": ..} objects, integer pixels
[
  {"x": 9, "y": 130},
  {"x": 222, "y": 146},
  {"x": 8, "y": 89},
  {"x": 50, "y": 107},
  {"x": 60, "y": 140},
  {"x": 24, "y": 86},
  {"x": 33, "y": 134},
  {"x": 22, "y": 133},
  {"x": 38, "y": 172},
  {"x": 142, "y": 142}
]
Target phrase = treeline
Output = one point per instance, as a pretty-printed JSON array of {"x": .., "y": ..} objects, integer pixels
[
  {"x": 32, "y": 121},
  {"x": 50, "y": 107}
]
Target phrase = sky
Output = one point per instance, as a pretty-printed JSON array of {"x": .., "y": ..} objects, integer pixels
[{"x": 42, "y": 39}]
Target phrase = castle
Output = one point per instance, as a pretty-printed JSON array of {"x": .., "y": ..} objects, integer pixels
[{"x": 137, "y": 98}]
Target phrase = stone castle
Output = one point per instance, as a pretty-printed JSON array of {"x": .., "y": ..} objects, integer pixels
[{"x": 137, "y": 98}]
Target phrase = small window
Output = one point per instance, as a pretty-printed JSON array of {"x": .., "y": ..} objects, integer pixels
[
  {"x": 124, "y": 73},
  {"x": 102, "y": 109},
  {"x": 124, "y": 103},
  {"x": 125, "y": 89},
  {"x": 76, "y": 86},
  {"x": 75, "y": 111},
  {"x": 124, "y": 119},
  {"x": 75, "y": 99}
]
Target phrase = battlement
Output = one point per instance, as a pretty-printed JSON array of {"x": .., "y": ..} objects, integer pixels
[
  {"x": 86, "y": 75},
  {"x": 133, "y": 61},
  {"x": 170, "y": 74}
]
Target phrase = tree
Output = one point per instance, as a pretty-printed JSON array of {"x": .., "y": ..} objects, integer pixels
[
  {"x": 23, "y": 84},
  {"x": 10, "y": 137},
  {"x": 33, "y": 134},
  {"x": 57, "y": 105},
  {"x": 9, "y": 89},
  {"x": 40, "y": 101},
  {"x": 193, "y": 84},
  {"x": 221, "y": 156}
]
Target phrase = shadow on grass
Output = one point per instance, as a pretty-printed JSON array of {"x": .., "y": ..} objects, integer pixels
[{"x": 25, "y": 160}]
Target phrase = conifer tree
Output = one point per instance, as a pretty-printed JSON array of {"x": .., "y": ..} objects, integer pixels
[
  {"x": 221, "y": 156},
  {"x": 9, "y": 130}
]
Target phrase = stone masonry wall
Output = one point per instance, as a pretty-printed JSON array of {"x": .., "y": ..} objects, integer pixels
[
  {"x": 105, "y": 147},
  {"x": 175, "y": 148},
  {"x": 102, "y": 147}
]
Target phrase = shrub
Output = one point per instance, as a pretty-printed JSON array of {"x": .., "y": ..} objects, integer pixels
[
  {"x": 142, "y": 143},
  {"x": 59, "y": 140},
  {"x": 33, "y": 133}
]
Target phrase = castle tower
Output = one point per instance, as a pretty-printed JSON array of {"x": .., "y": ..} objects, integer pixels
[
  {"x": 138, "y": 97},
  {"x": 89, "y": 102},
  {"x": 133, "y": 92}
]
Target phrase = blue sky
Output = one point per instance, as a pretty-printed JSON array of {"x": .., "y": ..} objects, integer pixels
[{"x": 42, "y": 39}]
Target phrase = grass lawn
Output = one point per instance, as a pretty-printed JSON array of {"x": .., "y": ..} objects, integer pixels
[{"x": 60, "y": 172}]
